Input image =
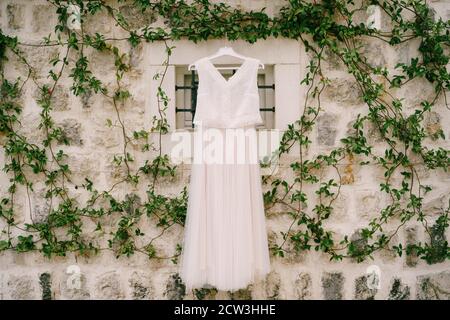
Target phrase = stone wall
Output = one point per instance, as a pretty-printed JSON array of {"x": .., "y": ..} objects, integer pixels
[{"x": 308, "y": 275}]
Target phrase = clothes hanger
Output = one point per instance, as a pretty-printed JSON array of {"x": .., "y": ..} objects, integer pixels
[{"x": 225, "y": 51}]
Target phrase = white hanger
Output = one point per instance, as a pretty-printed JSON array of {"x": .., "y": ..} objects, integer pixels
[{"x": 225, "y": 51}]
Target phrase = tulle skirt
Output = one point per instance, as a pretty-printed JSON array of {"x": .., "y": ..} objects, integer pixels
[{"x": 225, "y": 237}]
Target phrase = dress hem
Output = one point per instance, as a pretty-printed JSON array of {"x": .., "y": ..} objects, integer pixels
[{"x": 257, "y": 277}]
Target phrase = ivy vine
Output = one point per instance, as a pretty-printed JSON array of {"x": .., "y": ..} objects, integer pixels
[{"x": 325, "y": 27}]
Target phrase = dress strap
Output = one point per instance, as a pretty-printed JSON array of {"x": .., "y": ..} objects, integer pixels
[{"x": 199, "y": 63}]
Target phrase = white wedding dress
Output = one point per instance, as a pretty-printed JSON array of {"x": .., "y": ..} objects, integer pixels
[{"x": 225, "y": 238}]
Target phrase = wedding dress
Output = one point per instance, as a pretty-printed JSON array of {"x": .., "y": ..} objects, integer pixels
[{"x": 225, "y": 238}]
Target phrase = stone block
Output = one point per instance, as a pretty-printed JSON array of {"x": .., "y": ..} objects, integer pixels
[
  {"x": 72, "y": 131},
  {"x": 343, "y": 91},
  {"x": 39, "y": 58},
  {"x": 272, "y": 285},
  {"x": 136, "y": 18},
  {"x": 303, "y": 285},
  {"x": 108, "y": 286},
  {"x": 332, "y": 285},
  {"x": 436, "y": 203},
  {"x": 40, "y": 205},
  {"x": 376, "y": 53},
  {"x": 141, "y": 286},
  {"x": 359, "y": 243},
  {"x": 45, "y": 282},
  {"x": 16, "y": 15},
  {"x": 414, "y": 92},
  {"x": 433, "y": 125},
  {"x": 369, "y": 203},
  {"x": 242, "y": 294},
  {"x": 399, "y": 291},
  {"x": 205, "y": 293},
  {"x": 364, "y": 288},
  {"x": 434, "y": 286},
  {"x": 175, "y": 288},
  {"x": 22, "y": 287},
  {"x": 438, "y": 245},
  {"x": 100, "y": 22},
  {"x": 44, "y": 18},
  {"x": 59, "y": 100},
  {"x": 411, "y": 239},
  {"x": 326, "y": 129}
]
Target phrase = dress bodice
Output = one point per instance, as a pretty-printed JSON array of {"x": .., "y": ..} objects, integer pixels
[{"x": 231, "y": 103}]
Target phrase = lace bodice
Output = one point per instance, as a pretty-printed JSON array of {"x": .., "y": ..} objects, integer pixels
[{"x": 231, "y": 103}]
